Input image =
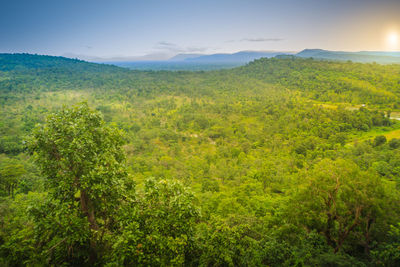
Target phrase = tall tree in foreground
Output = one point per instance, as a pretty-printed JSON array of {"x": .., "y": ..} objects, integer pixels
[
  {"x": 83, "y": 162},
  {"x": 349, "y": 207}
]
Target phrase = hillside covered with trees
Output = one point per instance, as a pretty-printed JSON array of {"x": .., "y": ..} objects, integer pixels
[{"x": 282, "y": 162}]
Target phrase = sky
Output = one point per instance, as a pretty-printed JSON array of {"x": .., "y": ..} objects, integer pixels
[{"x": 149, "y": 29}]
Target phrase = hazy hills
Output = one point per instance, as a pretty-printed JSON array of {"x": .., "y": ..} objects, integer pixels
[
  {"x": 181, "y": 61},
  {"x": 225, "y": 60},
  {"x": 193, "y": 62},
  {"x": 362, "y": 56},
  {"x": 180, "y": 57},
  {"x": 247, "y": 56},
  {"x": 239, "y": 57}
]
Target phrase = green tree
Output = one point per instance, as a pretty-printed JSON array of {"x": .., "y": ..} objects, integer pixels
[
  {"x": 10, "y": 174},
  {"x": 388, "y": 253},
  {"x": 342, "y": 203},
  {"x": 160, "y": 232},
  {"x": 379, "y": 140},
  {"x": 83, "y": 162},
  {"x": 17, "y": 235},
  {"x": 394, "y": 143}
]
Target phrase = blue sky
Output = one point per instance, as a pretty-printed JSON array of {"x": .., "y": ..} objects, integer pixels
[{"x": 160, "y": 29}]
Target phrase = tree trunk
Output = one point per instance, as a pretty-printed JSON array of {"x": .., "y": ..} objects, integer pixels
[
  {"x": 367, "y": 237},
  {"x": 327, "y": 231},
  {"x": 343, "y": 235},
  {"x": 87, "y": 209}
]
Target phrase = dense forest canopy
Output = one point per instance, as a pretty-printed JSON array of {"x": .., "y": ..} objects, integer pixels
[{"x": 285, "y": 161}]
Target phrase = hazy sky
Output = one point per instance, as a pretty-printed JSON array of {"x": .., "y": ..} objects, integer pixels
[{"x": 110, "y": 28}]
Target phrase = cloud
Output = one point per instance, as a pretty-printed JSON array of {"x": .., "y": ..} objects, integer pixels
[
  {"x": 165, "y": 44},
  {"x": 256, "y": 40},
  {"x": 262, "y": 39},
  {"x": 174, "y": 48}
]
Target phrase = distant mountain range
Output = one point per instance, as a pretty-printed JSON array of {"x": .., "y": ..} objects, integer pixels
[
  {"x": 239, "y": 57},
  {"x": 182, "y": 61},
  {"x": 362, "y": 56},
  {"x": 180, "y": 57}
]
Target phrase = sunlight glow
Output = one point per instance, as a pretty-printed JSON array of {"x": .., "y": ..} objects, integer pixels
[{"x": 392, "y": 40}]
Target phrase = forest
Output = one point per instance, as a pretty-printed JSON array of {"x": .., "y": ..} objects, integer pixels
[{"x": 285, "y": 161}]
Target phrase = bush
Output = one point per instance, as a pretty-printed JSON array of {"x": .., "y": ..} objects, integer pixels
[{"x": 379, "y": 140}]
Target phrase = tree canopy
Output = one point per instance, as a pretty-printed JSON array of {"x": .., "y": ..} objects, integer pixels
[{"x": 282, "y": 162}]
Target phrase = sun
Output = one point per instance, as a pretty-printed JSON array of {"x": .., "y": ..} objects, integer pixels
[{"x": 392, "y": 40}]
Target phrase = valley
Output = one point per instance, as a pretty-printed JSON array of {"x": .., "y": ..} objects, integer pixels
[{"x": 215, "y": 166}]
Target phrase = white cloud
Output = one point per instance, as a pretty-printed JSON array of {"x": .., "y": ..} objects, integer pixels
[
  {"x": 256, "y": 40},
  {"x": 174, "y": 48}
]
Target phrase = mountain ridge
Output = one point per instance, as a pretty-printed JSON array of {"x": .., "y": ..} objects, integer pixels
[
  {"x": 241, "y": 56},
  {"x": 381, "y": 57}
]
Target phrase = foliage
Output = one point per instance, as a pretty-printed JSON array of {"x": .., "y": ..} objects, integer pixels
[
  {"x": 83, "y": 162},
  {"x": 283, "y": 162},
  {"x": 341, "y": 202},
  {"x": 160, "y": 231}
]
